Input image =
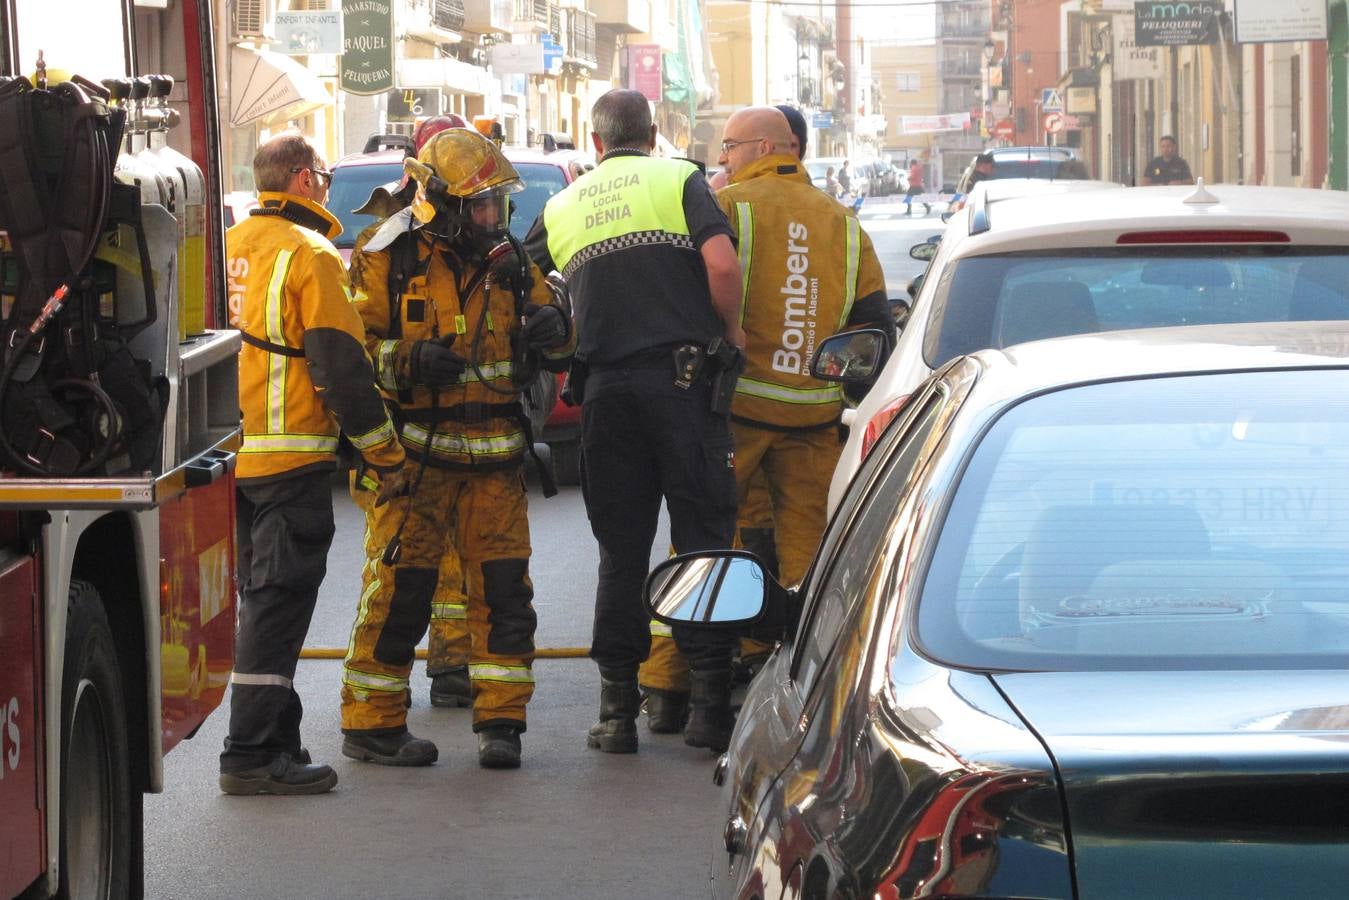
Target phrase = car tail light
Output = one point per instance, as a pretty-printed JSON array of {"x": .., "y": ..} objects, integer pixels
[
  {"x": 876, "y": 426},
  {"x": 1204, "y": 236}
]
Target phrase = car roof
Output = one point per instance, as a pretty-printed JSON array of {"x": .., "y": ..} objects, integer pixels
[
  {"x": 1089, "y": 218},
  {"x": 1037, "y": 366},
  {"x": 379, "y": 157},
  {"x": 1007, "y": 188},
  {"x": 1014, "y": 152},
  {"x": 558, "y": 158}
]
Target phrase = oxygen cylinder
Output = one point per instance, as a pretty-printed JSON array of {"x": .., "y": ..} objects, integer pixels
[
  {"x": 172, "y": 186},
  {"x": 191, "y": 213}
]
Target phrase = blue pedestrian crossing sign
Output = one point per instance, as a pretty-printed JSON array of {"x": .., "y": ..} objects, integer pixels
[
  {"x": 1051, "y": 100},
  {"x": 822, "y": 120},
  {"x": 552, "y": 54}
]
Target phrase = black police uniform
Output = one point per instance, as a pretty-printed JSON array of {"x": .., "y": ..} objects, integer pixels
[
  {"x": 1164, "y": 171},
  {"x": 626, "y": 237}
]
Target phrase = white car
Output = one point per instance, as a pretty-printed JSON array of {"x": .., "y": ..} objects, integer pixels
[{"x": 1016, "y": 269}]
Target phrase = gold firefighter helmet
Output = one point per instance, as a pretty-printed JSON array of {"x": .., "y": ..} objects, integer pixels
[{"x": 463, "y": 174}]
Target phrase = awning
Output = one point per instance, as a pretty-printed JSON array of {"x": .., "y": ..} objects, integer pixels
[{"x": 271, "y": 87}]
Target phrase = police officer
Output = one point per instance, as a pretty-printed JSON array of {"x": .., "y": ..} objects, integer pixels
[
  {"x": 302, "y": 370},
  {"x": 649, "y": 262},
  {"x": 1167, "y": 167},
  {"x": 455, "y": 315}
]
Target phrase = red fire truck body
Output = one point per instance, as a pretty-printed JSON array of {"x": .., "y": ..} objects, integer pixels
[{"x": 117, "y": 593}]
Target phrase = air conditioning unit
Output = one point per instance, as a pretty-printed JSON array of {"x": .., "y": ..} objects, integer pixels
[{"x": 252, "y": 20}]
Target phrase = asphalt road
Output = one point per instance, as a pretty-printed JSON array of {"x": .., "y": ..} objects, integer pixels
[{"x": 571, "y": 823}]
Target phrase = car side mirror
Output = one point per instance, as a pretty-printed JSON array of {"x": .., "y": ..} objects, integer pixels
[
  {"x": 853, "y": 357},
  {"x": 924, "y": 251},
  {"x": 713, "y": 589}
]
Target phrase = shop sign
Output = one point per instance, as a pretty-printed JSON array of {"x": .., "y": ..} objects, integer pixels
[
  {"x": 410, "y": 104},
  {"x": 1270, "y": 21},
  {"x": 924, "y": 124},
  {"x": 1162, "y": 24},
  {"x": 1129, "y": 61},
  {"x": 644, "y": 71},
  {"x": 367, "y": 47},
  {"x": 307, "y": 31},
  {"x": 1080, "y": 100}
]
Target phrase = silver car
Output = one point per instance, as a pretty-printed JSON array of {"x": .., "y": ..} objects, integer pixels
[{"x": 1077, "y": 630}]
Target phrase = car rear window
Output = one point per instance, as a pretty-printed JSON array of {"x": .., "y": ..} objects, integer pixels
[
  {"x": 1000, "y": 300},
  {"x": 542, "y": 180},
  {"x": 1028, "y": 166},
  {"x": 1184, "y": 522},
  {"x": 350, "y": 189}
]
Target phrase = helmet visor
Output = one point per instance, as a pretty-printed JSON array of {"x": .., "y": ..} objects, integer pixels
[{"x": 489, "y": 211}]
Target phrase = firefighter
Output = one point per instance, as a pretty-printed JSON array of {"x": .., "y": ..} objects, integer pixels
[
  {"x": 302, "y": 372},
  {"x": 455, "y": 319},
  {"x": 648, "y": 258},
  {"x": 799, "y": 248},
  {"x": 447, "y": 646}
]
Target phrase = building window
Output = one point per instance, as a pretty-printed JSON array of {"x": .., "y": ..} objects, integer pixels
[
  {"x": 908, "y": 81},
  {"x": 1295, "y": 108}
]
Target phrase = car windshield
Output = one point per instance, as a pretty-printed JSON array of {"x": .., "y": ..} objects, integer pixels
[
  {"x": 1196, "y": 522},
  {"x": 542, "y": 180},
  {"x": 999, "y": 300},
  {"x": 350, "y": 189},
  {"x": 1029, "y": 166}
]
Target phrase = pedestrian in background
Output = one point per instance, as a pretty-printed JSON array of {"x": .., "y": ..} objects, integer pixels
[
  {"x": 831, "y": 186},
  {"x": 648, "y": 259},
  {"x": 800, "y": 131},
  {"x": 1167, "y": 167},
  {"x": 844, "y": 181},
  {"x": 915, "y": 187},
  {"x": 303, "y": 372}
]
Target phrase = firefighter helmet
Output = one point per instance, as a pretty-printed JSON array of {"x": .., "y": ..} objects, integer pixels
[
  {"x": 433, "y": 126},
  {"x": 464, "y": 179}
]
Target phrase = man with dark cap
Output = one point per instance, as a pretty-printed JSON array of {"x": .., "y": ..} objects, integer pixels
[{"x": 797, "y": 123}]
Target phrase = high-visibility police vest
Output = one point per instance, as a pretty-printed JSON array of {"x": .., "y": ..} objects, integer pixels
[
  {"x": 621, "y": 238},
  {"x": 799, "y": 258}
]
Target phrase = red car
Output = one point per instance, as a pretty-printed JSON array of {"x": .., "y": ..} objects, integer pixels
[{"x": 544, "y": 174}]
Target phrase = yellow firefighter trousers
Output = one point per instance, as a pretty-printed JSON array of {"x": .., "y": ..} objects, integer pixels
[
  {"x": 485, "y": 517},
  {"x": 783, "y": 479},
  {"x": 448, "y": 643}
]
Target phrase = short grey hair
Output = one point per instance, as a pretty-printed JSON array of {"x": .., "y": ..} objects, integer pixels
[
  {"x": 273, "y": 162},
  {"x": 622, "y": 119}
]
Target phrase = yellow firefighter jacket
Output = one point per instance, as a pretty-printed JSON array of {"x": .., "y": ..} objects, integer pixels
[
  {"x": 475, "y": 424},
  {"x": 804, "y": 259},
  {"x": 303, "y": 372}
]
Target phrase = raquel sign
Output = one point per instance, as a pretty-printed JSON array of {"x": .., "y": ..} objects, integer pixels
[
  {"x": 367, "y": 47},
  {"x": 1175, "y": 24}
]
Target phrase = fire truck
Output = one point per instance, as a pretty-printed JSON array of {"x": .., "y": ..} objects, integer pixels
[{"x": 119, "y": 420}]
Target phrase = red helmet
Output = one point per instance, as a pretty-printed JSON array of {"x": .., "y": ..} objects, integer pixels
[{"x": 433, "y": 126}]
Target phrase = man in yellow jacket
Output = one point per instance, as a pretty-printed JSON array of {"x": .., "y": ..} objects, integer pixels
[
  {"x": 455, "y": 318},
  {"x": 303, "y": 375},
  {"x": 809, "y": 271}
]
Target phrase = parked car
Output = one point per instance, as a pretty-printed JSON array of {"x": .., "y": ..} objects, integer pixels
[
  {"x": 884, "y": 179},
  {"x": 818, "y": 166},
  {"x": 1076, "y": 257},
  {"x": 544, "y": 174},
  {"x": 1076, "y": 631}
]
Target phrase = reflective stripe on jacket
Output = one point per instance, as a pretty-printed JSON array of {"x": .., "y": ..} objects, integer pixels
[
  {"x": 643, "y": 205},
  {"x": 804, "y": 259},
  {"x": 476, "y": 429},
  {"x": 305, "y": 376}
]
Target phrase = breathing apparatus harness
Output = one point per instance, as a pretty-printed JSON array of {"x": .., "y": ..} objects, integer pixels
[
  {"x": 507, "y": 258},
  {"x": 73, "y": 400}
]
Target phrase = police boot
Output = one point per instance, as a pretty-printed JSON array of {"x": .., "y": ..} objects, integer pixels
[
  {"x": 397, "y": 749},
  {"x": 452, "y": 688},
  {"x": 616, "y": 730},
  {"x": 710, "y": 721},
  {"x": 499, "y": 747},
  {"x": 666, "y": 711}
]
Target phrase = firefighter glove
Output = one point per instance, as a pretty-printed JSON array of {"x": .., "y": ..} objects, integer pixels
[
  {"x": 394, "y": 484},
  {"x": 545, "y": 327},
  {"x": 435, "y": 365}
]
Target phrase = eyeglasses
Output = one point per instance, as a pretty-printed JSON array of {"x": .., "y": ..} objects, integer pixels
[
  {"x": 323, "y": 174},
  {"x": 728, "y": 146}
]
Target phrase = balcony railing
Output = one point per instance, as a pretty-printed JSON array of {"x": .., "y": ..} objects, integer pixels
[
  {"x": 580, "y": 38},
  {"x": 961, "y": 69},
  {"x": 957, "y": 28},
  {"x": 532, "y": 12},
  {"x": 448, "y": 14}
]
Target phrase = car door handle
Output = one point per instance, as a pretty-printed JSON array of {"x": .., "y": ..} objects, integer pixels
[{"x": 735, "y": 835}]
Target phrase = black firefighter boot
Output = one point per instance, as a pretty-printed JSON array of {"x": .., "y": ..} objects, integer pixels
[
  {"x": 710, "y": 721},
  {"x": 616, "y": 730},
  {"x": 666, "y": 711}
]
